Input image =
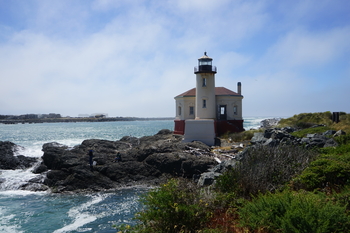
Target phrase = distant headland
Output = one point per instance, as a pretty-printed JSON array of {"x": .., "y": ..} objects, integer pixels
[{"x": 54, "y": 118}]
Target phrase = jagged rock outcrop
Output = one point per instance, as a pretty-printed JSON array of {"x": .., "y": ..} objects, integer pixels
[
  {"x": 8, "y": 159},
  {"x": 272, "y": 137},
  {"x": 268, "y": 123},
  {"x": 145, "y": 160},
  {"x": 275, "y": 136}
]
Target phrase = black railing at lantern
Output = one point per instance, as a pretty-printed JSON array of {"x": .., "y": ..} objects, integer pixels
[{"x": 205, "y": 68}]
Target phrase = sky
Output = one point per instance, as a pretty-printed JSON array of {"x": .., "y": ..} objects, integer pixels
[{"x": 131, "y": 58}]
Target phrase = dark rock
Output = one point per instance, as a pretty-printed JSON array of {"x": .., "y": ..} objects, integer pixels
[
  {"x": 224, "y": 166},
  {"x": 316, "y": 140},
  {"x": 164, "y": 132},
  {"x": 305, "y": 140},
  {"x": 40, "y": 168},
  {"x": 35, "y": 185},
  {"x": 26, "y": 162},
  {"x": 268, "y": 133},
  {"x": 330, "y": 143},
  {"x": 329, "y": 133},
  {"x": 339, "y": 133},
  {"x": 278, "y": 134},
  {"x": 289, "y": 129},
  {"x": 271, "y": 142},
  {"x": 144, "y": 160},
  {"x": 258, "y": 138},
  {"x": 8, "y": 160}
]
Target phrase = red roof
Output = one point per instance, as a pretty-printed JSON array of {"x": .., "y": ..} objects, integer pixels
[{"x": 218, "y": 91}]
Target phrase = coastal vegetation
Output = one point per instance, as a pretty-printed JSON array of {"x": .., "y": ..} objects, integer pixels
[{"x": 286, "y": 188}]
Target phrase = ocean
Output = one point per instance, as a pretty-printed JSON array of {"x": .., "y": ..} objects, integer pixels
[{"x": 27, "y": 212}]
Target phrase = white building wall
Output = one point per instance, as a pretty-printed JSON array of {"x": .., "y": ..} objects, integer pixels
[
  {"x": 231, "y": 102},
  {"x": 183, "y": 105}
]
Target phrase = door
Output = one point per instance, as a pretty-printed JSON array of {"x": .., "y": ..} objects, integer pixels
[{"x": 222, "y": 112}]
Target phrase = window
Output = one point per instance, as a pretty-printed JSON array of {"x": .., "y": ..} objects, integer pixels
[
  {"x": 222, "y": 110},
  {"x": 235, "y": 110},
  {"x": 204, "y": 82},
  {"x": 179, "y": 111},
  {"x": 191, "y": 110},
  {"x": 204, "y": 103}
]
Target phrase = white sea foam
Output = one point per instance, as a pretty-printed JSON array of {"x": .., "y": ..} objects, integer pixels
[
  {"x": 70, "y": 142},
  {"x": 33, "y": 151},
  {"x": 253, "y": 122},
  {"x": 21, "y": 193},
  {"x": 5, "y": 223},
  {"x": 81, "y": 216},
  {"x": 14, "y": 179}
]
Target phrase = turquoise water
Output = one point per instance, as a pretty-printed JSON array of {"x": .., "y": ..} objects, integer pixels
[
  {"x": 41, "y": 212},
  {"x": 27, "y": 212},
  {"x": 35, "y": 135}
]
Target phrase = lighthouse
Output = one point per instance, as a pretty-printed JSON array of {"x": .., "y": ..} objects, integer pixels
[
  {"x": 207, "y": 111},
  {"x": 205, "y": 88}
]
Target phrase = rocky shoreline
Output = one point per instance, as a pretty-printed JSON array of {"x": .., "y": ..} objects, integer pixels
[{"x": 147, "y": 161}]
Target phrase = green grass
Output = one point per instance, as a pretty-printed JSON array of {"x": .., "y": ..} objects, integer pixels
[
  {"x": 304, "y": 132},
  {"x": 242, "y": 136},
  {"x": 306, "y": 120}
]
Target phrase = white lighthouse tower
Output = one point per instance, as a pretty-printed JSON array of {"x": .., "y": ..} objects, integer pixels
[
  {"x": 202, "y": 128},
  {"x": 205, "y": 88}
]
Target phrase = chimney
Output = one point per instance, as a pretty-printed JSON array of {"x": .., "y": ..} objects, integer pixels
[{"x": 239, "y": 88}]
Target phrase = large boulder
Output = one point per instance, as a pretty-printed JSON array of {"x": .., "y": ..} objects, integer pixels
[
  {"x": 258, "y": 138},
  {"x": 8, "y": 159}
]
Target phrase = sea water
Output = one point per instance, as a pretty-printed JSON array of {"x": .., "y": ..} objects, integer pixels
[{"x": 26, "y": 211}]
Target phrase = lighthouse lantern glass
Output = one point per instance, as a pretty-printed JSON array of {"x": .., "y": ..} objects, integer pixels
[{"x": 204, "y": 62}]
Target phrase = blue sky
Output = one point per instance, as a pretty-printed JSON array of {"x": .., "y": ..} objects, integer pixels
[{"x": 131, "y": 58}]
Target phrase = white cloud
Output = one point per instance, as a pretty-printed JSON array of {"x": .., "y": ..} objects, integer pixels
[
  {"x": 304, "y": 48},
  {"x": 131, "y": 58}
]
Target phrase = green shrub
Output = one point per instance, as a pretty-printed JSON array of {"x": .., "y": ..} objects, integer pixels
[
  {"x": 343, "y": 139},
  {"x": 294, "y": 212},
  {"x": 173, "y": 207},
  {"x": 264, "y": 168},
  {"x": 329, "y": 171},
  {"x": 227, "y": 189},
  {"x": 227, "y": 182},
  {"x": 343, "y": 197}
]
